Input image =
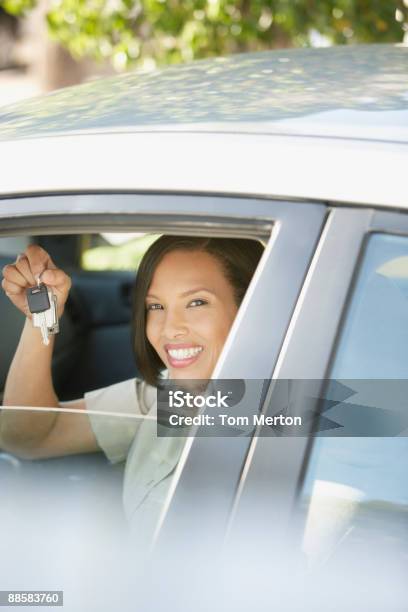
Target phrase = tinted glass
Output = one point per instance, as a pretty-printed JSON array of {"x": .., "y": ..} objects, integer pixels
[{"x": 356, "y": 489}]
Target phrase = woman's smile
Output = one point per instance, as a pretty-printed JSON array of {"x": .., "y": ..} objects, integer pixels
[{"x": 183, "y": 354}]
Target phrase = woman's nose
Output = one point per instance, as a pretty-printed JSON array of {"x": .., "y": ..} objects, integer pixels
[{"x": 174, "y": 324}]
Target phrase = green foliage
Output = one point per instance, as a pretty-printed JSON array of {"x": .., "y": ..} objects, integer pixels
[
  {"x": 18, "y": 7},
  {"x": 125, "y": 256},
  {"x": 170, "y": 31}
]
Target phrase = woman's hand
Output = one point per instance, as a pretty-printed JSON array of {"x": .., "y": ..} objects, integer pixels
[{"x": 17, "y": 277}]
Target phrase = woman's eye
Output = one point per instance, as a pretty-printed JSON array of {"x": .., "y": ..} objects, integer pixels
[
  {"x": 153, "y": 306},
  {"x": 197, "y": 303}
]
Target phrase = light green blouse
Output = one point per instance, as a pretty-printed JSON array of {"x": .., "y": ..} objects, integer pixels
[{"x": 126, "y": 430}]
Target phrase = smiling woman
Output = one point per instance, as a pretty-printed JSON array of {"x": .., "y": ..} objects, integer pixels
[{"x": 186, "y": 296}]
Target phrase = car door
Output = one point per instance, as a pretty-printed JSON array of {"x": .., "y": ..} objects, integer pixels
[{"x": 290, "y": 231}]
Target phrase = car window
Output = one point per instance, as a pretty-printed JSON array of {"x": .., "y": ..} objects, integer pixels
[
  {"x": 374, "y": 338},
  {"x": 356, "y": 489}
]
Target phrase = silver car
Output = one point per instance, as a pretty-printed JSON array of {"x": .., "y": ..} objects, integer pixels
[{"x": 304, "y": 150}]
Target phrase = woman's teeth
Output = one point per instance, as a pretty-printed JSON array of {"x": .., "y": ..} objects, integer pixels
[{"x": 180, "y": 354}]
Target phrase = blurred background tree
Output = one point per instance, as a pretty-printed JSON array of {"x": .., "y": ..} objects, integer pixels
[{"x": 155, "y": 32}]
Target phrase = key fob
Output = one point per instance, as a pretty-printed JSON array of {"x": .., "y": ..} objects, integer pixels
[{"x": 37, "y": 298}]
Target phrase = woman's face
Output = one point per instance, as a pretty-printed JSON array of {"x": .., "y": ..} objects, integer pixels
[{"x": 190, "y": 309}]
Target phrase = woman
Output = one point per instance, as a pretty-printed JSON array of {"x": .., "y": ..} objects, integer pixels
[{"x": 186, "y": 296}]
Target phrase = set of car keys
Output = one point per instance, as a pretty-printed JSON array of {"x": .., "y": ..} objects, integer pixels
[{"x": 42, "y": 303}]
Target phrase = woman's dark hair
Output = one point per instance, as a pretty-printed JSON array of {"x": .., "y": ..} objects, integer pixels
[{"x": 239, "y": 258}]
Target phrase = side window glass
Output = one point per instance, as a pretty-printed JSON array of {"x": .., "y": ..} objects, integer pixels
[
  {"x": 356, "y": 489},
  {"x": 374, "y": 338}
]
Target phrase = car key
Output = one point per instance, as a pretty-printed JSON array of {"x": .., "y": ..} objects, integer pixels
[
  {"x": 42, "y": 304},
  {"x": 38, "y": 304}
]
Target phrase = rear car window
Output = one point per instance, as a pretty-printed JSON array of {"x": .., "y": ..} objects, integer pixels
[{"x": 356, "y": 489}]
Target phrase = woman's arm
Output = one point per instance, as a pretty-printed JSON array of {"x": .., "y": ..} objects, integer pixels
[{"x": 32, "y": 434}]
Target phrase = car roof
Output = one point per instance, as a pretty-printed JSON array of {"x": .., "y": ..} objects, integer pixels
[{"x": 353, "y": 92}]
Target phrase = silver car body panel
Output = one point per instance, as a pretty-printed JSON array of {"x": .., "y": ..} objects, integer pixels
[{"x": 284, "y": 167}]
